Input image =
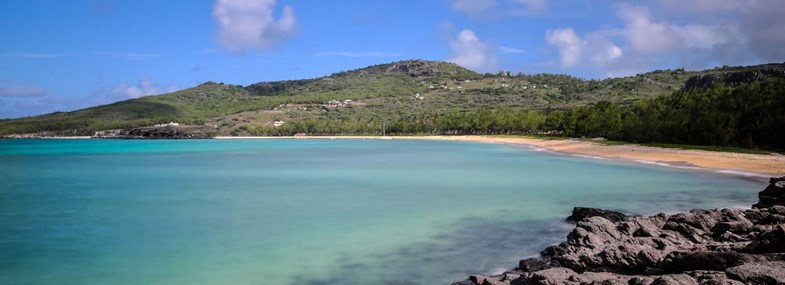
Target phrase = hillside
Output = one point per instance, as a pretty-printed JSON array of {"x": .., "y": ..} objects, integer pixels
[{"x": 380, "y": 95}]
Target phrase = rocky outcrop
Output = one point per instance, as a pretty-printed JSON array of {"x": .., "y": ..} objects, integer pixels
[
  {"x": 581, "y": 213},
  {"x": 417, "y": 68},
  {"x": 735, "y": 77},
  {"x": 722, "y": 246},
  {"x": 773, "y": 195},
  {"x": 159, "y": 132}
]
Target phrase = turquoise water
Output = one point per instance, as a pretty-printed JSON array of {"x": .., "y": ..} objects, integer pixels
[{"x": 307, "y": 211}]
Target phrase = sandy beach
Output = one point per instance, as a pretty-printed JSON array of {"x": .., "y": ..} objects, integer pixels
[{"x": 731, "y": 162}]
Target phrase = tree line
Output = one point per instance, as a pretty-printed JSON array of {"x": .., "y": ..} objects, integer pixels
[{"x": 749, "y": 116}]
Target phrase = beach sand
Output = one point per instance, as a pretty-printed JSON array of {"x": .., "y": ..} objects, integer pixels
[{"x": 733, "y": 163}]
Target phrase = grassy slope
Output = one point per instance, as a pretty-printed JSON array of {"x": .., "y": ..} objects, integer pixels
[{"x": 381, "y": 93}]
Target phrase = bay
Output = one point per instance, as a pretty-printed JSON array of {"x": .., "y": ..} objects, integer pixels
[{"x": 314, "y": 211}]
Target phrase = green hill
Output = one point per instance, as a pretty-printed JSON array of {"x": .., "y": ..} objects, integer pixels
[{"x": 387, "y": 94}]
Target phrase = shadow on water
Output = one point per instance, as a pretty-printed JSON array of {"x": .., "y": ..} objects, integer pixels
[
  {"x": 485, "y": 246},
  {"x": 470, "y": 246}
]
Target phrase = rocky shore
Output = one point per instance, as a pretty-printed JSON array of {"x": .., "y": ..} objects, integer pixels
[
  {"x": 721, "y": 246},
  {"x": 159, "y": 132}
]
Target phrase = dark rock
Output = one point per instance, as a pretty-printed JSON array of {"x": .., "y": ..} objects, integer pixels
[
  {"x": 551, "y": 276},
  {"x": 698, "y": 247},
  {"x": 777, "y": 209},
  {"x": 581, "y": 213},
  {"x": 555, "y": 250},
  {"x": 772, "y": 272},
  {"x": 771, "y": 241},
  {"x": 712, "y": 260},
  {"x": 534, "y": 264},
  {"x": 734, "y": 77},
  {"x": 756, "y": 216},
  {"x": 733, "y": 226},
  {"x": 477, "y": 279},
  {"x": 773, "y": 195},
  {"x": 159, "y": 132},
  {"x": 675, "y": 279},
  {"x": 464, "y": 282},
  {"x": 774, "y": 219},
  {"x": 712, "y": 278}
]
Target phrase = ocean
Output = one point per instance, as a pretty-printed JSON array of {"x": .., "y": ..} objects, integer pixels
[{"x": 315, "y": 211}]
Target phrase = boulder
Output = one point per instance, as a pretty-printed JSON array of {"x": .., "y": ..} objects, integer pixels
[
  {"x": 675, "y": 279},
  {"x": 769, "y": 241},
  {"x": 712, "y": 260},
  {"x": 772, "y": 272},
  {"x": 535, "y": 264},
  {"x": 551, "y": 276},
  {"x": 721, "y": 246},
  {"x": 477, "y": 279},
  {"x": 581, "y": 213},
  {"x": 773, "y": 195}
]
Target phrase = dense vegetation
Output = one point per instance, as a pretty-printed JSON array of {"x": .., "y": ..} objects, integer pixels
[
  {"x": 728, "y": 106},
  {"x": 748, "y": 116}
]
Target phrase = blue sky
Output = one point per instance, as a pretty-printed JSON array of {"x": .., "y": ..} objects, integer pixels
[{"x": 66, "y": 55}]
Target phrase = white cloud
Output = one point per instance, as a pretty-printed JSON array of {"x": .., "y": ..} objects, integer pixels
[
  {"x": 22, "y": 91},
  {"x": 123, "y": 91},
  {"x": 648, "y": 36},
  {"x": 602, "y": 50},
  {"x": 250, "y": 24},
  {"x": 644, "y": 35},
  {"x": 468, "y": 51},
  {"x": 358, "y": 54},
  {"x": 593, "y": 50},
  {"x": 570, "y": 45},
  {"x": 472, "y": 7},
  {"x": 509, "y": 50}
]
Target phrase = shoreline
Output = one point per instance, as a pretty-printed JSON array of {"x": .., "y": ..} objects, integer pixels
[
  {"x": 731, "y": 163},
  {"x": 719, "y": 246},
  {"x": 740, "y": 164}
]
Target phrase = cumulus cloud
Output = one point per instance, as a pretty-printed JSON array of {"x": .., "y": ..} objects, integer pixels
[
  {"x": 22, "y": 91},
  {"x": 648, "y": 36},
  {"x": 250, "y": 24},
  {"x": 594, "y": 49},
  {"x": 664, "y": 34},
  {"x": 733, "y": 31},
  {"x": 468, "y": 51},
  {"x": 569, "y": 44},
  {"x": 472, "y": 7},
  {"x": 143, "y": 88}
]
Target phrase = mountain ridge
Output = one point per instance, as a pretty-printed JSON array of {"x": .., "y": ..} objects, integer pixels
[{"x": 382, "y": 92}]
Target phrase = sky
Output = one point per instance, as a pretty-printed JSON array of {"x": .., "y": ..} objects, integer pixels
[{"x": 65, "y": 55}]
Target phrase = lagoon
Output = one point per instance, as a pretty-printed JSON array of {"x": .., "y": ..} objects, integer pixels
[{"x": 313, "y": 211}]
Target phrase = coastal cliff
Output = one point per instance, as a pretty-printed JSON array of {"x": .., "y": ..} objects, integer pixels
[{"x": 721, "y": 246}]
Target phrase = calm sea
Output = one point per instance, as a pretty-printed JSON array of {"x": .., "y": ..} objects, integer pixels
[{"x": 307, "y": 211}]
